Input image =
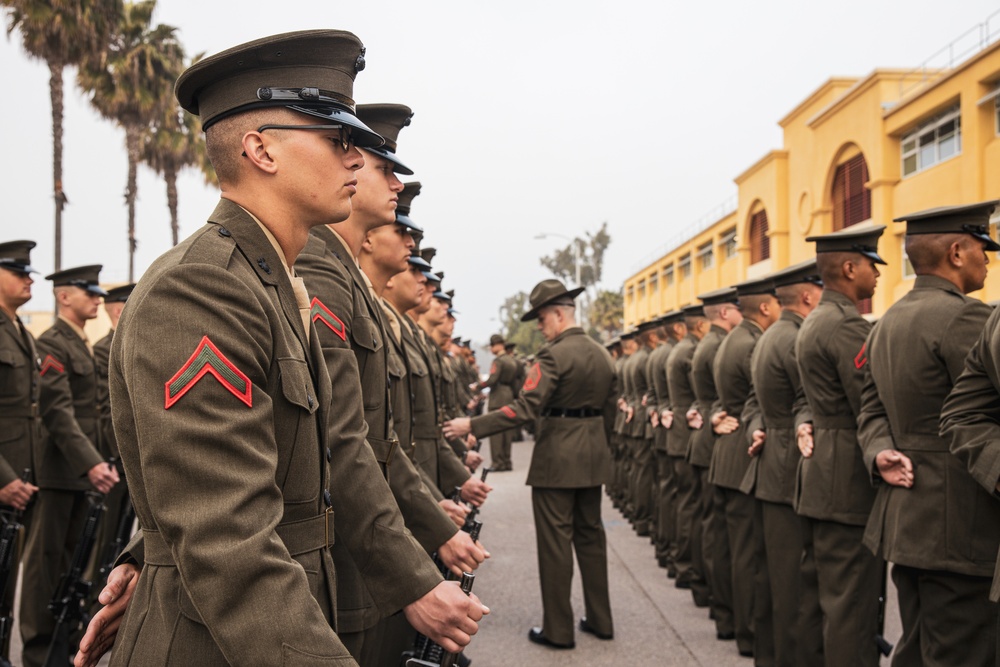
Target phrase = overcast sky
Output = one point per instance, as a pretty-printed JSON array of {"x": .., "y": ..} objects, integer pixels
[{"x": 530, "y": 117}]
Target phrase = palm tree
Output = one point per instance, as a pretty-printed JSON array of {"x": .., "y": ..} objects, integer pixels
[
  {"x": 174, "y": 141},
  {"x": 129, "y": 85},
  {"x": 62, "y": 33}
]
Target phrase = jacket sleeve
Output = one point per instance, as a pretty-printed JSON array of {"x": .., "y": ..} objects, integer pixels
[
  {"x": 874, "y": 430},
  {"x": 538, "y": 386}
]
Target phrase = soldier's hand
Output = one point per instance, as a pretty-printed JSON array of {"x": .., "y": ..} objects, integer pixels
[
  {"x": 103, "y": 628},
  {"x": 470, "y": 441},
  {"x": 103, "y": 477},
  {"x": 654, "y": 418},
  {"x": 629, "y": 413},
  {"x": 447, "y": 616},
  {"x": 455, "y": 512},
  {"x": 694, "y": 419},
  {"x": 460, "y": 554},
  {"x": 644, "y": 397},
  {"x": 757, "y": 442},
  {"x": 457, "y": 428},
  {"x": 723, "y": 423},
  {"x": 473, "y": 460},
  {"x": 471, "y": 405},
  {"x": 17, "y": 494},
  {"x": 895, "y": 467},
  {"x": 622, "y": 405},
  {"x": 667, "y": 418},
  {"x": 474, "y": 491},
  {"x": 804, "y": 437}
]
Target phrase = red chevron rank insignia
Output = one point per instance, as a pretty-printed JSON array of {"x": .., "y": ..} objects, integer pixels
[
  {"x": 320, "y": 312},
  {"x": 508, "y": 411},
  {"x": 534, "y": 377},
  {"x": 862, "y": 358},
  {"x": 207, "y": 359},
  {"x": 51, "y": 363}
]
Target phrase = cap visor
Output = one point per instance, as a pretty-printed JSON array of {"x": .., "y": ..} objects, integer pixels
[
  {"x": 991, "y": 245},
  {"x": 406, "y": 221},
  {"x": 364, "y": 136},
  {"x": 397, "y": 166}
]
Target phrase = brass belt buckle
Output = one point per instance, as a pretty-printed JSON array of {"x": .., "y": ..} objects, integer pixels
[
  {"x": 326, "y": 525},
  {"x": 393, "y": 444}
]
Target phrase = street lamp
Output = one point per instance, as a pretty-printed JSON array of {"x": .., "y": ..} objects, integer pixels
[{"x": 577, "y": 262}]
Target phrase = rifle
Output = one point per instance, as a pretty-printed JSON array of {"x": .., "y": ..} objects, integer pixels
[
  {"x": 8, "y": 546},
  {"x": 456, "y": 497},
  {"x": 884, "y": 647},
  {"x": 67, "y": 603},
  {"x": 114, "y": 548},
  {"x": 427, "y": 653}
]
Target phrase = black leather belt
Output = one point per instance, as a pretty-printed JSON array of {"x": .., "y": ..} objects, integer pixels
[{"x": 573, "y": 413}]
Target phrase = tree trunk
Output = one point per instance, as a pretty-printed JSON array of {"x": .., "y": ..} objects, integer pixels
[
  {"x": 132, "y": 139},
  {"x": 56, "y": 96},
  {"x": 170, "y": 176}
]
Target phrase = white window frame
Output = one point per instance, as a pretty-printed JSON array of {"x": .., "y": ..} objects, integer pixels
[
  {"x": 668, "y": 275},
  {"x": 684, "y": 266},
  {"x": 729, "y": 245},
  {"x": 706, "y": 256},
  {"x": 932, "y": 127},
  {"x": 907, "y": 267}
]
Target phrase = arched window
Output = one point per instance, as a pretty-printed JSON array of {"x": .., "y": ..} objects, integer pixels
[
  {"x": 852, "y": 201},
  {"x": 760, "y": 242}
]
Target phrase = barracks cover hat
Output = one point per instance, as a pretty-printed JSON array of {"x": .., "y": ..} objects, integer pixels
[
  {"x": 755, "y": 286},
  {"x": 410, "y": 190},
  {"x": 856, "y": 238},
  {"x": 803, "y": 272},
  {"x": 971, "y": 219},
  {"x": 309, "y": 71},
  {"x": 16, "y": 256},
  {"x": 630, "y": 333},
  {"x": 496, "y": 339},
  {"x": 549, "y": 292},
  {"x": 672, "y": 317},
  {"x": 428, "y": 254},
  {"x": 84, "y": 277},
  {"x": 694, "y": 310},
  {"x": 119, "y": 294},
  {"x": 719, "y": 296},
  {"x": 387, "y": 120}
]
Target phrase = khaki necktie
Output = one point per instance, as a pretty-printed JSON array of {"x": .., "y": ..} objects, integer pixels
[{"x": 302, "y": 301}]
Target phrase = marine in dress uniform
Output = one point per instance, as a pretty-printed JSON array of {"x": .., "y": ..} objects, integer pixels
[
  {"x": 620, "y": 439},
  {"x": 243, "y": 462},
  {"x": 931, "y": 520},
  {"x": 68, "y": 461},
  {"x": 571, "y": 391},
  {"x": 722, "y": 315},
  {"x": 641, "y": 480},
  {"x": 769, "y": 418},
  {"x": 665, "y": 489},
  {"x": 833, "y": 488},
  {"x": 503, "y": 386},
  {"x": 20, "y": 386},
  {"x": 731, "y": 369},
  {"x": 347, "y": 311}
]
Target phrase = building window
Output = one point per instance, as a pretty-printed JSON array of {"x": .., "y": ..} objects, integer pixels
[
  {"x": 760, "y": 242},
  {"x": 642, "y": 289},
  {"x": 728, "y": 244},
  {"x": 668, "y": 275},
  {"x": 684, "y": 265},
  {"x": 935, "y": 141},
  {"x": 654, "y": 285},
  {"x": 706, "y": 256},
  {"x": 852, "y": 201}
]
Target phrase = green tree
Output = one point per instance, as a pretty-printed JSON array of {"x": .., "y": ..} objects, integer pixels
[
  {"x": 525, "y": 335},
  {"x": 62, "y": 33},
  {"x": 130, "y": 85},
  {"x": 590, "y": 250},
  {"x": 607, "y": 314},
  {"x": 174, "y": 141}
]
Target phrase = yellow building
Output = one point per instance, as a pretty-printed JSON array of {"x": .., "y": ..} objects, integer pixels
[{"x": 874, "y": 148}]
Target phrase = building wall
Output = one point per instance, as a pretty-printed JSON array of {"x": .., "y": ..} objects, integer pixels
[{"x": 794, "y": 184}]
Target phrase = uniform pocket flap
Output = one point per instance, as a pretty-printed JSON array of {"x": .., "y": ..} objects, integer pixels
[
  {"x": 296, "y": 383},
  {"x": 365, "y": 334}
]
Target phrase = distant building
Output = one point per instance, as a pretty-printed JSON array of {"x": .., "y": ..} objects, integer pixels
[{"x": 874, "y": 148}]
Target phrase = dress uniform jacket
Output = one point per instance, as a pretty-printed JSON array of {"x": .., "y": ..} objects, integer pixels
[
  {"x": 775, "y": 374},
  {"x": 659, "y": 390},
  {"x": 20, "y": 386},
  {"x": 69, "y": 411},
  {"x": 916, "y": 351},
  {"x": 102, "y": 353},
  {"x": 833, "y": 484},
  {"x": 703, "y": 381},
  {"x": 621, "y": 363},
  {"x": 971, "y": 414},
  {"x": 346, "y": 314},
  {"x": 641, "y": 428},
  {"x": 431, "y": 453},
  {"x": 231, "y": 474},
  {"x": 502, "y": 381},
  {"x": 570, "y": 452},
  {"x": 681, "y": 395},
  {"x": 732, "y": 378}
]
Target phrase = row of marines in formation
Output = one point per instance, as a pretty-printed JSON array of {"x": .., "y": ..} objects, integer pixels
[
  {"x": 778, "y": 449},
  {"x": 386, "y": 330}
]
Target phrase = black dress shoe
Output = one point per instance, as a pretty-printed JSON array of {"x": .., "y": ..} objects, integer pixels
[
  {"x": 683, "y": 583},
  {"x": 535, "y": 635},
  {"x": 746, "y": 653},
  {"x": 586, "y": 627},
  {"x": 725, "y": 636}
]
